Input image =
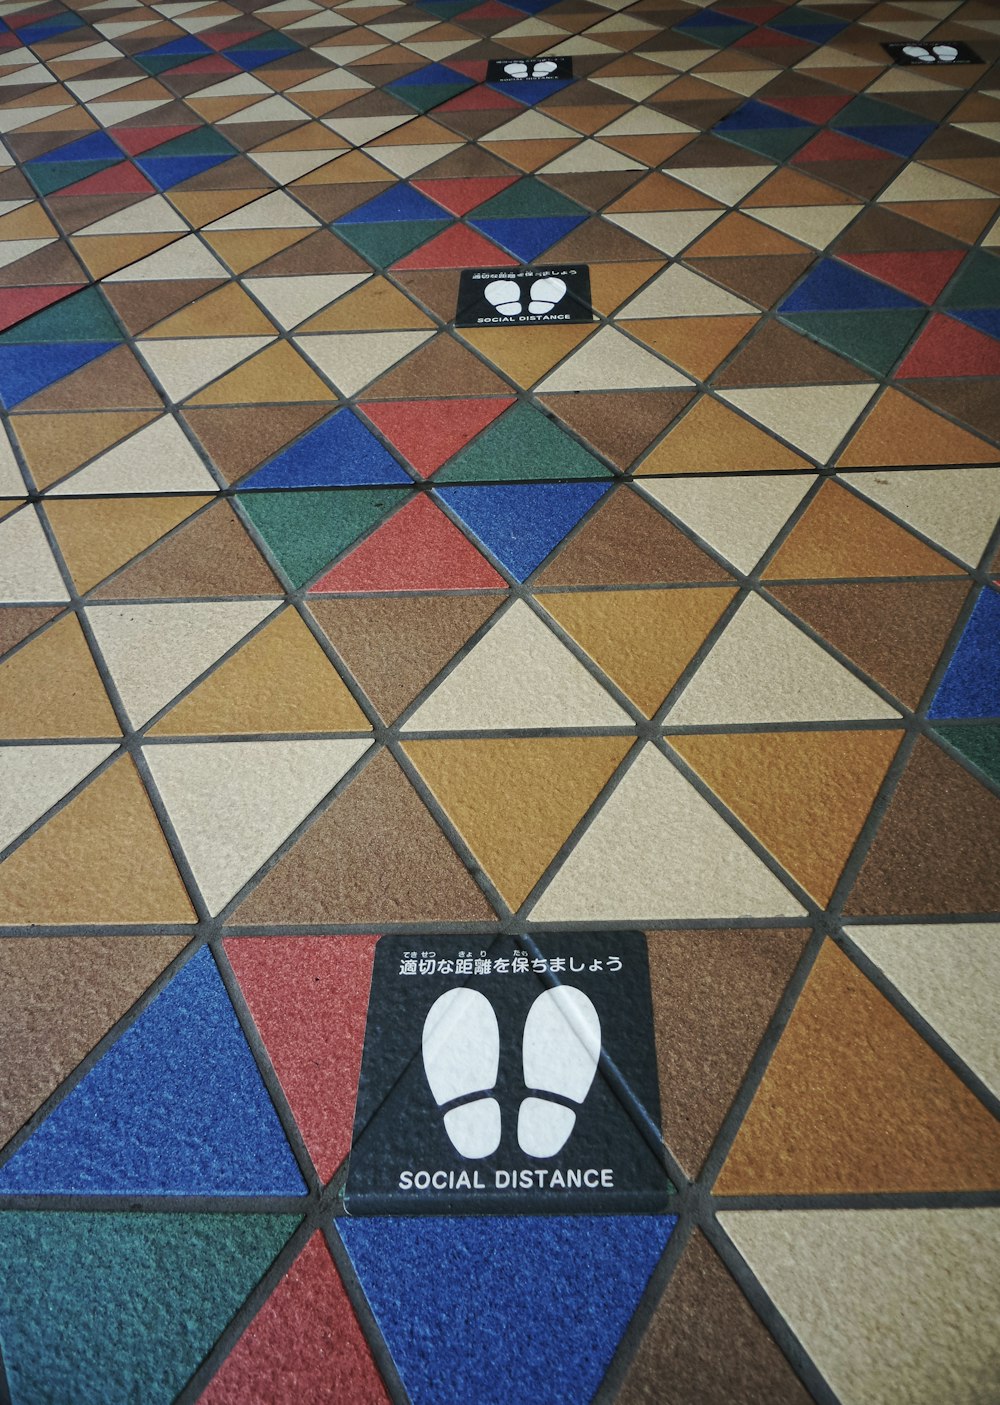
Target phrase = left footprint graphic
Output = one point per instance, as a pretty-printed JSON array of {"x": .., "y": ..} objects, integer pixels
[{"x": 461, "y": 1050}]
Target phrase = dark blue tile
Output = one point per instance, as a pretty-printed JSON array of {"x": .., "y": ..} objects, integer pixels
[
  {"x": 527, "y": 238},
  {"x": 340, "y": 452},
  {"x": 402, "y": 202},
  {"x": 521, "y": 523},
  {"x": 971, "y": 686},
  {"x": 835, "y": 287}
]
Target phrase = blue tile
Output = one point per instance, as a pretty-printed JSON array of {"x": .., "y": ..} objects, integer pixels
[
  {"x": 167, "y": 171},
  {"x": 527, "y": 238},
  {"x": 521, "y": 523},
  {"x": 176, "y": 1107},
  {"x": 971, "y": 686},
  {"x": 402, "y": 202},
  {"x": 836, "y": 287},
  {"x": 757, "y": 117},
  {"x": 97, "y": 147},
  {"x": 25, "y": 370},
  {"x": 188, "y": 47},
  {"x": 530, "y": 93},
  {"x": 900, "y": 140},
  {"x": 433, "y": 75},
  {"x": 498, "y": 1311},
  {"x": 985, "y": 319},
  {"x": 340, "y": 452}
]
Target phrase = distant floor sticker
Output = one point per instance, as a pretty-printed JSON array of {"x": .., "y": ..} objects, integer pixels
[
  {"x": 495, "y": 297},
  {"x": 513, "y": 1075},
  {"x": 521, "y": 70},
  {"x": 940, "y": 52}
]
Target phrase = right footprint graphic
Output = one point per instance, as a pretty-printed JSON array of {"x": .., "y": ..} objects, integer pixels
[
  {"x": 545, "y": 293},
  {"x": 561, "y": 1049}
]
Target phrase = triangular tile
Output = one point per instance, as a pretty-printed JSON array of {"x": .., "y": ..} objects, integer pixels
[
  {"x": 352, "y": 359},
  {"x": 812, "y": 418},
  {"x": 777, "y": 354},
  {"x": 98, "y": 536},
  {"x": 48, "y": 1029},
  {"x": 159, "y": 1115},
  {"x": 212, "y": 555},
  {"x": 947, "y": 973},
  {"x": 763, "y": 669},
  {"x": 306, "y": 1339},
  {"x": 51, "y": 688},
  {"x": 102, "y": 859},
  {"x": 419, "y": 548},
  {"x": 239, "y": 439},
  {"x": 714, "y": 439},
  {"x": 266, "y": 788},
  {"x": 276, "y": 373},
  {"x": 522, "y": 444},
  {"x": 971, "y": 684},
  {"x": 28, "y": 570},
  {"x": 303, "y": 536},
  {"x": 184, "y": 365},
  {"x": 526, "y": 353},
  {"x": 564, "y": 1264},
  {"x": 899, "y": 431},
  {"x": 308, "y": 997},
  {"x": 610, "y": 361},
  {"x": 616, "y": 871},
  {"x": 440, "y": 367},
  {"x": 115, "y": 381},
  {"x": 696, "y": 344},
  {"x": 179, "y": 1279},
  {"x": 430, "y": 432},
  {"x": 154, "y": 651},
  {"x": 642, "y": 639},
  {"x": 737, "y": 517},
  {"x": 706, "y": 1339},
  {"x": 336, "y": 872},
  {"x": 37, "y": 777},
  {"x": 522, "y": 523},
  {"x": 956, "y": 507},
  {"x": 619, "y": 424},
  {"x": 627, "y": 542},
  {"x": 849, "y": 1264},
  {"x": 519, "y": 675},
  {"x": 932, "y": 852},
  {"x": 851, "y": 1100},
  {"x": 892, "y": 630},
  {"x": 290, "y": 300},
  {"x": 158, "y": 459},
  {"x": 341, "y": 452},
  {"x": 541, "y": 787},
  {"x": 54, "y": 445},
  {"x": 281, "y": 681},
  {"x": 804, "y": 795},
  {"x": 395, "y": 645},
  {"x": 840, "y": 535},
  {"x": 710, "y": 1021},
  {"x": 17, "y": 622},
  {"x": 376, "y": 303}
]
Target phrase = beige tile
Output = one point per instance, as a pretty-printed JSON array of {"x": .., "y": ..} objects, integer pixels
[
  {"x": 956, "y": 507},
  {"x": 610, "y": 361},
  {"x": 28, "y": 570},
  {"x": 737, "y": 516},
  {"x": 812, "y": 418},
  {"x": 34, "y": 778}
]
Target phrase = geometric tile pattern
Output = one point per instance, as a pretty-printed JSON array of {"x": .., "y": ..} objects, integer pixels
[{"x": 321, "y": 618}]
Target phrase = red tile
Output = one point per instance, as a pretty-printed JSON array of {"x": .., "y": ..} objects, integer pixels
[
  {"x": 305, "y": 1345},
  {"x": 430, "y": 432},
  {"x": 419, "y": 548},
  {"x": 461, "y": 196},
  {"x": 950, "y": 348},
  {"x": 811, "y": 109},
  {"x": 309, "y": 998},
  {"x": 458, "y": 247},
  {"x": 18, "y": 303},
  {"x": 922, "y": 274},
  {"x": 479, "y": 100},
  {"x": 835, "y": 146},
  {"x": 123, "y": 179},
  {"x": 136, "y": 140}
]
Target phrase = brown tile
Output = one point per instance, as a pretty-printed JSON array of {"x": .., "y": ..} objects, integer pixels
[
  {"x": 595, "y": 189},
  {"x": 395, "y": 645},
  {"x": 714, "y": 995},
  {"x": 74, "y": 212},
  {"x": 210, "y": 557},
  {"x": 62, "y": 995},
  {"x": 974, "y": 402},
  {"x": 597, "y": 241},
  {"x": 98, "y": 535},
  {"x": 777, "y": 355},
  {"x": 854, "y": 1101},
  {"x": 627, "y": 542},
  {"x": 436, "y": 289},
  {"x": 880, "y": 231},
  {"x": 18, "y": 621},
  {"x": 374, "y": 856},
  {"x": 140, "y": 305},
  {"x": 707, "y": 1342},
  {"x": 115, "y": 381},
  {"x": 240, "y": 438},
  {"x": 859, "y": 178},
  {"x": 938, "y": 847},
  {"x": 321, "y": 252},
  {"x": 441, "y": 367},
  {"x": 329, "y": 202},
  {"x": 56, "y": 263},
  {"x": 764, "y": 280},
  {"x": 619, "y": 425},
  {"x": 893, "y": 630},
  {"x": 468, "y": 161}
]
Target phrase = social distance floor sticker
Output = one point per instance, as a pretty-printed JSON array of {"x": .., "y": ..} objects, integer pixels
[
  {"x": 547, "y": 69},
  {"x": 950, "y": 51},
  {"x": 491, "y": 297},
  {"x": 509, "y": 1075}
]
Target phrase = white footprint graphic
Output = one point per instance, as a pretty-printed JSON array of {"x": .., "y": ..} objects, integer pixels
[
  {"x": 947, "y": 53},
  {"x": 461, "y": 1049},
  {"x": 562, "y": 1044},
  {"x": 516, "y": 70},
  {"x": 505, "y": 296},
  {"x": 918, "y": 52},
  {"x": 541, "y": 68},
  {"x": 545, "y": 293}
]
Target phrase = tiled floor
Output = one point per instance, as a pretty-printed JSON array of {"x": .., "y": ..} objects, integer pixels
[{"x": 322, "y": 619}]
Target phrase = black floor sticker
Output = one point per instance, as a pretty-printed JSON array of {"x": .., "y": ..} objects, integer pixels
[
  {"x": 496, "y": 297},
  {"x": 509, "y": 1075},
  {"x": 940, "y": 52},
  {"x": 522, "y": 70}
]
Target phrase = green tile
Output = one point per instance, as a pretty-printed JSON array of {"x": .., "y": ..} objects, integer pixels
[
  {"x": 521, "y": 444},
  {"x": 50, "y": 176},
  {"x": 383, "y": 244},
  {"x": 978, "y": 743},
  {"x": 424, "y": 96},
  {"x": 306, "y": 530},
  {"x": 874, "y": 339},
  {"x": 82, "y": 317},
  {"x": 528, "y": 197},
  {"x": 778, "y": 143},
  {"x": 977, "y": 284}
]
